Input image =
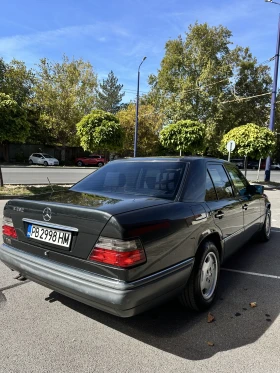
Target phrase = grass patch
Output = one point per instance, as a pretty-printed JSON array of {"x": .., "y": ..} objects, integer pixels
[{"x": 30, "y": 190}]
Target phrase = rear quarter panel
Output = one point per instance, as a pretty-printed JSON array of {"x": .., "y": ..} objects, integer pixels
[{"x": 170, "y": 234}]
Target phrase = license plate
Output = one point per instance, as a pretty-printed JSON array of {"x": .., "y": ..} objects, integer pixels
[{"x": 49, "y": 235}]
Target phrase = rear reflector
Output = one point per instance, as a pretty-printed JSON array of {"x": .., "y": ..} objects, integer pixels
[
  {"x": 118, "y": 253},
  {"x": 8, "y": 228}
]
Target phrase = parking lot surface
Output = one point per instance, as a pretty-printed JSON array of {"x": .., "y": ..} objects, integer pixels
[{"x": 43, "y": 331}]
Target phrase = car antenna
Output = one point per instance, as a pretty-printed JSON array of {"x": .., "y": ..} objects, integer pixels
[{"x": 50, "y": 184}]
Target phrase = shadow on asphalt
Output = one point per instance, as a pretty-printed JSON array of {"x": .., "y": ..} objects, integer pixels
[
  {"x": 3, "y": 300},
  {"x": 172, "y": 329}
]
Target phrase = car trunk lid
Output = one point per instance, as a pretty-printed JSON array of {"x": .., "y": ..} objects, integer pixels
[{"x": 76, "y": 219}]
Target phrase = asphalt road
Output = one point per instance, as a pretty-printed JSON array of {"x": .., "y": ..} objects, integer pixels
[
  {"x": 39, "y": 175},
  {"x": 42, "y": 331}
]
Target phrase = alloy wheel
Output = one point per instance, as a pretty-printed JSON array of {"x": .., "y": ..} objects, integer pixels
[{"x": 209, "y": 275}]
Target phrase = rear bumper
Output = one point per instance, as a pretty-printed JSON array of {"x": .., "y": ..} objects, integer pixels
[{"x": 120, "y": 298}]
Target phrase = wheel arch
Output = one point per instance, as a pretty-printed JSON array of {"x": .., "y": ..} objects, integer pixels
[{"x": 214, "y": 237}]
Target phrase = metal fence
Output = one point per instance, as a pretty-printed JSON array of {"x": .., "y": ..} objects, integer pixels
[{"x": 20, "y": 153}]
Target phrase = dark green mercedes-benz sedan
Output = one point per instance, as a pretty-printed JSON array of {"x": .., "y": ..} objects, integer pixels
[{"x": 137, "y": 232}]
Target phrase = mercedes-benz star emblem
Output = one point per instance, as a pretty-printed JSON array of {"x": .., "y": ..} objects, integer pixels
[{"x": 47, "y": 214}]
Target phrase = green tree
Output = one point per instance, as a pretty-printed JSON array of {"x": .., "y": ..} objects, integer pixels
[
  {"x": 251, "y": 80},
  {"x": 201, "y": 73},
  {"x": 149, "y": 125},
  {"x": 100, "y": 130},
  {"x": 185, "y": 135},
  {"x": 109, "y": 95},
  {"x": 64, "y": 93},
  {"x": 193, "y": 72},
  {"x": 18, "y": 82},
  {"x": 3, "y": 68},
  {"x": 13, "y": 123},
  {"x": 276, "y": 154},
  {"x": 251, "y": 140}
]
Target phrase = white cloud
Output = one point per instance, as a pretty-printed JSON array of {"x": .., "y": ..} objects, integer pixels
[{"x": 101, "y": 32}]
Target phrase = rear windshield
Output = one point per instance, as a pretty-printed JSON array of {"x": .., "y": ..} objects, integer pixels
[{"x": 155, "y": 179}]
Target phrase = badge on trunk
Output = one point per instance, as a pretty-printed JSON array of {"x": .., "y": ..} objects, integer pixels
[{"x": 47, "y": 214}]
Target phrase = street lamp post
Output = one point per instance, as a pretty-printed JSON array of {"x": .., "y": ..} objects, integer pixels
[
  {"x": 137, "y": 105},
  {"x": 273, "y": 96}
]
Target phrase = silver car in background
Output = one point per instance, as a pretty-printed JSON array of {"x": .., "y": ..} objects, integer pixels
[
  {"x": 43, "y": 159},
  {"x": 275, "y": 166}
]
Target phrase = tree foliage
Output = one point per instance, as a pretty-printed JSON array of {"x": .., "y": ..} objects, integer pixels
[
  {"x": 185, "y": 135},
  {"x": 193, "y": 72},
  {"x": 250, "y": 80},
  {"x": 201, "y": 73},
  {"x": 276, "y": 154},
  {"x": 13, "y": 123},
  {"x": 64, "y": 93},
  {"x": 17, "y": 81},
  {"x": 109, "y": 95},
  {"x": 150, "y": 123},
  {"x": 251, "y": 140},
  {"x": 100, "y": 130}
]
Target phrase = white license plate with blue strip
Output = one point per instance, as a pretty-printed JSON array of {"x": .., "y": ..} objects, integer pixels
[{"x": 49, "y": 235}]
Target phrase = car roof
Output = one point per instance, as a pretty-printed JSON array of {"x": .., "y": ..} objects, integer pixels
[{"x": 171, "y": 159}]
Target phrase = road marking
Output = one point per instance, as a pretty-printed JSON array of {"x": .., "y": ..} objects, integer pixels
[{"x": 251, "y": 273}]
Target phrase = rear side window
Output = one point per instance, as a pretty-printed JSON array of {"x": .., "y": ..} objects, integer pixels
[
  {"x": 155, "y": 179},
  {"x": 210, "y": 193},
  {"x": 221, "y": 181},
  {"x": 239, "y": 181}
]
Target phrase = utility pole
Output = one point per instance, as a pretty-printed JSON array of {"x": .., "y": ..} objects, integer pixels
[
  {"x": 273, "y": 97},
  {"x": 136, "y": 118}
]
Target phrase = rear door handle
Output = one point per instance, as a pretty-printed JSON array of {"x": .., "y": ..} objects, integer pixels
[
  {"x": 245, "y": 206},
  {"x": 219, "y": 215}
]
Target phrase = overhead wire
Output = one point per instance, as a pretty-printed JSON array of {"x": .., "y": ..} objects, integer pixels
[{"x": 245, "y": 98}]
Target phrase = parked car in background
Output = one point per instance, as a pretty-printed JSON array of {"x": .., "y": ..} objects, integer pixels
[
  {"x": 238, "y": 162},
  {"x": 44, "y": 159},
  {"x": 91, "y": 160},
  {"x": 275, "y": 166},
  {"x": 254, "y": 165},
  {"x": 137, "y": 232}
]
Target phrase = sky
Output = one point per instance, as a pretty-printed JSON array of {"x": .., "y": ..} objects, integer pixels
[{"x": 116, "y": 34}]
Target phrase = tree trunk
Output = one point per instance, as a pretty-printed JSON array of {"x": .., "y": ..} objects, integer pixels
[
  {"x": 258, "y": 175},
  {"x": 1, "y": 178},
  {"x": 63, "y": 150}
]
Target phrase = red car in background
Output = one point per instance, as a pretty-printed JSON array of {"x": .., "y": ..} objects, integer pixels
[{"x": 91, "y": 160}]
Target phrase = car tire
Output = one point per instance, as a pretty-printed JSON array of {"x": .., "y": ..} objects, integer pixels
[
  {"x": 79, "y": 164},
  {"x": 99, "y": 164},
  {"x": 45, "y": 163},
  {"x": 266, "y": 228},
  {"x": 201, "y": 288},
  {"x": 30, "y": 161}
]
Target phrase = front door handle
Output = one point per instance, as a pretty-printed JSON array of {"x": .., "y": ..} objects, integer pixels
[
  {"x": 245, "y": 206},
  {"x": 219, "y": 215}
]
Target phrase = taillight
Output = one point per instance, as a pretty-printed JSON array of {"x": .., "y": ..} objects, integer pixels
[
  {"x": 8, "y": 228},
  {"x": 118, "y": 252}
]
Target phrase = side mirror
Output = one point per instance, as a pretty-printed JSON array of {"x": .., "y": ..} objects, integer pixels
[{"x": 257, "y": 189}]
